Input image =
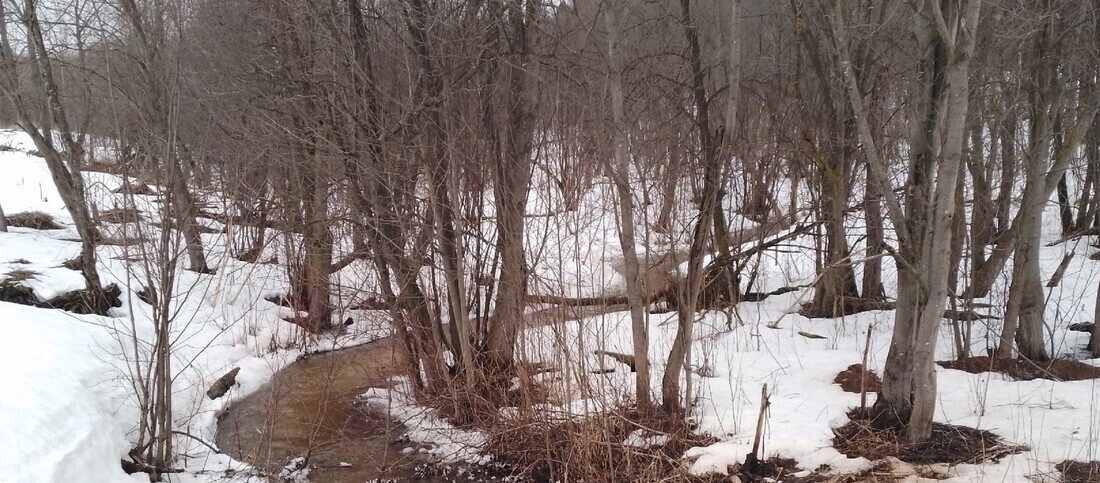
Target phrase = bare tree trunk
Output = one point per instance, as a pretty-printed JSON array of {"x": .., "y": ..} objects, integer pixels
[
  {"x": 63, "y": 163},
  {"x": 619, "y": 172},
  {"x": 712, "y": 169},
  {"x": 1089, "y": 202},
  {"x": 156, "y": 103},
  {"x": 1094, "y": 341},
  {"x": 431, "y": 87},
  {"x": 670, "y": 177},
  {"x": 513, "y": 180},
  {"x": 908, "y": 394},
  {"x": 876, "y": 238}
]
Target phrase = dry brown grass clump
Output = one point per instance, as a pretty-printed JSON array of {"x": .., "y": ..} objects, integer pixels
[
  {"x": 35, "y": 220},
  {"x": 855, "y": 380},
  {"x": 19, "y": 275},
  {"x": 948, "y": 444},
  {"x": 12, "y": 288},
  {"x": 541, "y": 447},
  {"x": 120, "y": 215},
  {"x": 1079, "y": 472}
]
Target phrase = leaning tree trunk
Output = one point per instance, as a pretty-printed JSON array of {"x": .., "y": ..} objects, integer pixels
[{"x": 64, "y": 167}]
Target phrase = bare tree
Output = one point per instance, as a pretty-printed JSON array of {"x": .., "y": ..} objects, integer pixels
[
  {"x": 945, "y": 41},
  {"x": 156, "y": 96},
  {"x": 62, "y": 149}
]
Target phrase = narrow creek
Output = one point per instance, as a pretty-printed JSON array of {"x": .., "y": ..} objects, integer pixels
[{"x": 312, "y": 407}]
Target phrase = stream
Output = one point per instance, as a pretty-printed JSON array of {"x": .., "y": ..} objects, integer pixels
[{"x": 312, "y": 407}]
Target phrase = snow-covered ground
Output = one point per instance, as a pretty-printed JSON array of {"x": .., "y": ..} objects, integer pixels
[
  {"x": 576, "y": 254},
  {"x": 67, "y": 410}
]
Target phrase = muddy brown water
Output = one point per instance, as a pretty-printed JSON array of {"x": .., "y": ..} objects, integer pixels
[{"x": 312, "y": 407}]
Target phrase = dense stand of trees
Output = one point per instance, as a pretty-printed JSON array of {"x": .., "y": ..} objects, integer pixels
[{"x": 414, "y": 129}]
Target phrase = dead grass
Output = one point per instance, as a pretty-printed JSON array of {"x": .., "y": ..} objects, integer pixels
[
  {"x": 21, "y": 261},
  {"x": 35, "y": 220},
  {"x": 87, "y": 302},
  {"x": 19, "y": 275},
  {"x": 541, "y": 447},
  {"x": 120, "y": 215},
  {"x": 1079, "y": 472},
  {"x": 948, "y": 444},
  {"x": 16, "y": 293},
  {"x": 75, "y": 263}
]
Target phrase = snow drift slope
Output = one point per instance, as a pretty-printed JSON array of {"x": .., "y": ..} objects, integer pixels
[{"x": 54, "y": 423}]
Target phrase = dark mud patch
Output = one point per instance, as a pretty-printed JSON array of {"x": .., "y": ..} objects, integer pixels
[
  {"x": 949, "y": 444},
  {"x": 1025, "y": 370},
  {"x": 1079, "y": 472},
  {"x": 855, "y": 380}
]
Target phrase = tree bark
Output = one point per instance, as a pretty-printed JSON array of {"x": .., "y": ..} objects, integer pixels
[
  {"x": 908, "y": 393},
  {"x": 513, "y": 180},
  {"x": 619, "y": 172}
]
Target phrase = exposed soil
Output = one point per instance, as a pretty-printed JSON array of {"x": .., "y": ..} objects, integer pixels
[
  {"x": 785, "y": 469},
  {"x": 1025, "y": 370},
  {"x": 949, "y": 444},
  {"x": 1079, "y": 472},
  {"x": 849, "y": 380}
]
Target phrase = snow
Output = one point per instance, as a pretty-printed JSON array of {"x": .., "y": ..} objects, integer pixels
[
  {"x": 55, "y": 423},
  {"x": 67, "y": 408}
]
